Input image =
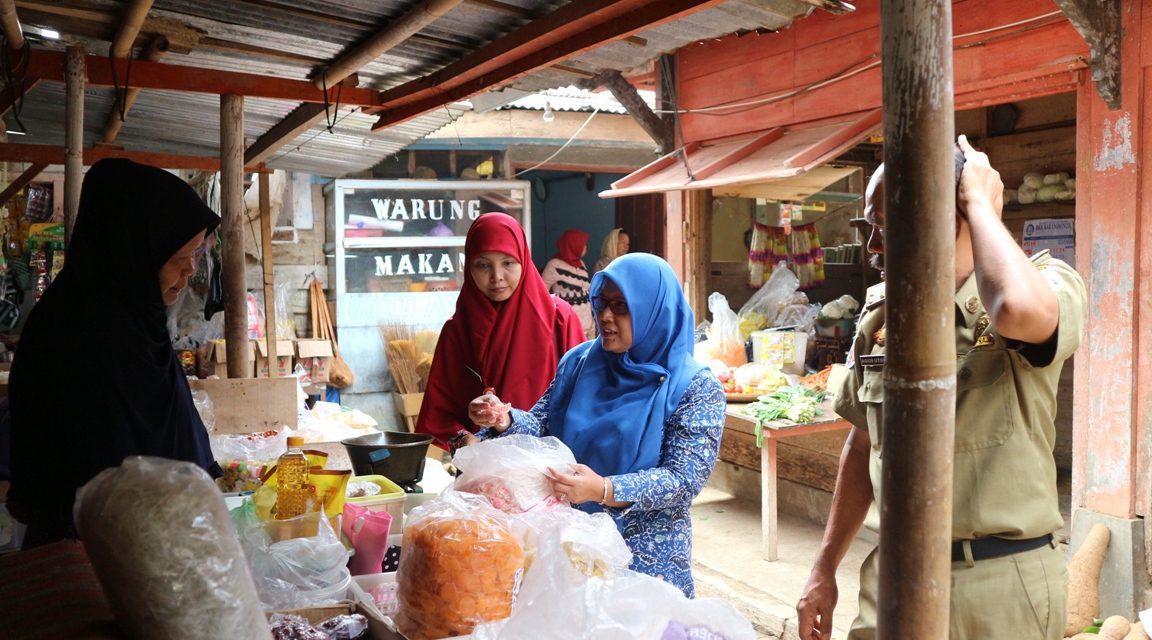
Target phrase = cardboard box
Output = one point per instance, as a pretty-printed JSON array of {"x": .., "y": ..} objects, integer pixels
[
  {"x": 251, "y": 405},
  {"x": 285, "y": 352},
  {"x": 315, "y": 355},
  {"x": 408, "y": 406},
  {"x": 378, "y": 627},
  {"x": 218, "y": 358}
]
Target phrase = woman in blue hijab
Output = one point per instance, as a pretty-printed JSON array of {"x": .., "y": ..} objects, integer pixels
[{"x": 642, "y": 417}]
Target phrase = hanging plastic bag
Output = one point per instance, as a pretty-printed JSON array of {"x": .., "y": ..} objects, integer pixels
[
  {"x": 724, "y": 342},
  {"x": 367, "y": 530},
  {"x": 762, "y": 308}
]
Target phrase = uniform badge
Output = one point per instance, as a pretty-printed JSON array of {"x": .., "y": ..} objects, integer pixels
[
  {"x": 982, "y": 340},
  {"x": 972, "y": 304},
  {"x": 880, "y": 336},
  {"x": 872, "y": 362}
]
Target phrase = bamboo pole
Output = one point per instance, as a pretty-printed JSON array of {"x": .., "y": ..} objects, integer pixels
[
  {"x": 74, "y": 81},
  {"x": 10, "y": 23},
  {"x": 419, "y": 16},
  {"x": 130, "y": 25},
  {"x": 232, "y": 235},
  {"x": 156, "y": 50},
  {"x": 920, "y": 369},
  {"x": 269, "y": 278}
]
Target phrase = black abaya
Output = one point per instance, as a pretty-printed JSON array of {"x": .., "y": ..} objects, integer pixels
[{"x": 95, "y": 378}]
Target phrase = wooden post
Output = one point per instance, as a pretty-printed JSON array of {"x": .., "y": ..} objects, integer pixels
[
  {"x": 232, "y": 235},
  {"x": 269, "y": 278},
  {"x": 698, "y": 250},
  {"x": 75, "y": 77},
  {"x": 920, "y": 370}
]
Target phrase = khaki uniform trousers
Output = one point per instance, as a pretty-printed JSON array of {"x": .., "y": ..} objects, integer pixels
[{"x": 1016, "y": 597}]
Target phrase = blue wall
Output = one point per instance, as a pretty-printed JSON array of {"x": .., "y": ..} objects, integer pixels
[{"x": 570, "y": 205}]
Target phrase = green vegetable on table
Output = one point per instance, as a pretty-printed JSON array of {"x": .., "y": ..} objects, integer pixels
[{"x": 798, "y": 404}]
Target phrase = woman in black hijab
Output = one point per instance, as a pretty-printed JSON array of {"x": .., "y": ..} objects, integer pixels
[{"x": 95, "y": 378}]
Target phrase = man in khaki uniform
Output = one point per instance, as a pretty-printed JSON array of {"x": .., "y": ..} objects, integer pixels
[{"x": 1017, "y": 320}]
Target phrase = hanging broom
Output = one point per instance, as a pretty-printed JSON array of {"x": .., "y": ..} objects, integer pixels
[{"x": 340, "y": 375}]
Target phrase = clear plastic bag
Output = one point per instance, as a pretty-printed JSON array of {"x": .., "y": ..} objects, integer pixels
[
  {"x": 165, "y": 550},
  {"x": 762, "y": 308},
  {"x": 203, "y": 403},
  {"x": 298, "y": 562},
  {"x": 562, "y": 599},
  {"x": 461, "y": 567},
  {"x": 512, "y": 471},
  {"x": 724, "y": 342},
  {"x": 259, "y": 447}
]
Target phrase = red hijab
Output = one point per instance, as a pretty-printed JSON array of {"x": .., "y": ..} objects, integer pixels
[
  {"x": 502, "y": 341},
  {"x": 571, "y": 246}
]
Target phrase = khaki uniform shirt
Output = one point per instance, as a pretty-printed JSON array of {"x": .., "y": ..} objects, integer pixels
[{"x": 1004, "y": 471}]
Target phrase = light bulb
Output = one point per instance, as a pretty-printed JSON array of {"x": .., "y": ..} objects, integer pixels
[{"x": 548, "y": 115}]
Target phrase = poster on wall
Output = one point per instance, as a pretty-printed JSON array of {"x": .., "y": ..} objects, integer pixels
[{"x": 1057, "y": 235}]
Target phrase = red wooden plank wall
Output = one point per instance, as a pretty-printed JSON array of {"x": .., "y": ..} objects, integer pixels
[{"x": 1041, "y": 58}]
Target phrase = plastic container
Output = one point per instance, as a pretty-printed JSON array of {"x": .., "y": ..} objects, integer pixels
[
  {"x": 382, "y": 588},
  {"x": 396, "y": 455},
  {"x": 330, "y": 594},
  {"x": 303, "y": 526},
  {"x": 391, "y": 498},
  {"x": 786, "y": 349}
]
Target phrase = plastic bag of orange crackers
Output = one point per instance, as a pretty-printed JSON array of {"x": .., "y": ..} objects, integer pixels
[{"x": 461, "y": 566}]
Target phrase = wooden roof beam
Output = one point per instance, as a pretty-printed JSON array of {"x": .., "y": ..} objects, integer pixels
[
  {"x": 419, "y": 16},
  {"x": 572, "y": 29},
  {"x": 50, "y": 154},
  {"x": 658, "y": 129},
  {"x": 49, "y": 65},
  {"x": 300, "y": 120},
  {"x": 342, "y": 72},
  {"x": 1098, "y": 22}
]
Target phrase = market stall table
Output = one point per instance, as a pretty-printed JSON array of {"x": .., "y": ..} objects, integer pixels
[{"x": 770, "y": 432}]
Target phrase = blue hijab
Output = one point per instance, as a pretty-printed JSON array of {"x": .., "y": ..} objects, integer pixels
[{"x": 610, "y": 408}]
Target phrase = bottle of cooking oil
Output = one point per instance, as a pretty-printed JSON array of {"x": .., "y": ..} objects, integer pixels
[{"x": 292, "y": 481}]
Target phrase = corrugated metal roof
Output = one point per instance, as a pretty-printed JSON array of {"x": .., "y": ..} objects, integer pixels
[
  {"x": 293, "y": 38},
  {"x": 575, "y": 99}
]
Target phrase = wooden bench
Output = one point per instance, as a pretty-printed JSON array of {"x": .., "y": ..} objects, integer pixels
[{"x": 770, "y": 433}]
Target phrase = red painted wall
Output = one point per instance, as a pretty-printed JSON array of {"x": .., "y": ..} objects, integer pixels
[{"x": 1113, "y": 405}]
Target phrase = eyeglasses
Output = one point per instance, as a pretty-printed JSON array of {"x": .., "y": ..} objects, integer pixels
[{"x": 618, "y": 306}]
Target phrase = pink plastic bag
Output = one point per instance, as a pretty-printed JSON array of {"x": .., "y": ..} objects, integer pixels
[{"x": 367, "y": 530}]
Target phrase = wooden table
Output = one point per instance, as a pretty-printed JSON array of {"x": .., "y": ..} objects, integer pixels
[{"x": 772, "y": 431}]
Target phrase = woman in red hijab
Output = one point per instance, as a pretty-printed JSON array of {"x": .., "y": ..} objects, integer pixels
[
  {"x": 497, "y": 338},
  {"x": 567, "y": 277}
]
